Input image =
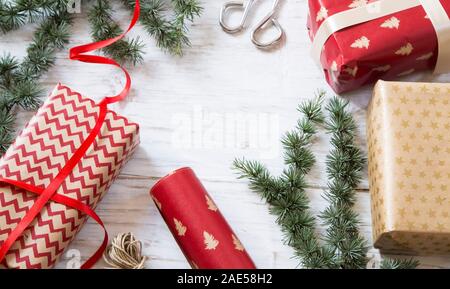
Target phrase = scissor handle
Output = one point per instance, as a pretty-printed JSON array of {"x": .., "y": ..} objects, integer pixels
[
  {"x": 269, "y": 18},
  {"x": 272, "y": 42},
  {"x": 235, "y": 4}
]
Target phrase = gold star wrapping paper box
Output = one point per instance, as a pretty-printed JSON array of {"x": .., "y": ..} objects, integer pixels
[{"x": 409, "y": 167}]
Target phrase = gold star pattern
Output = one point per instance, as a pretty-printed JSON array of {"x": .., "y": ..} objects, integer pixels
[
  {"x": 409, "y": 198},
  {"x": 425, "y": 113},
  {"x": 439, "y": 200},
  {"x": 406, "y": 148},
  {"x": 424, "y": 89},
  {"x": 432, "y": 101},
  {"x": 409, "y": 167}
]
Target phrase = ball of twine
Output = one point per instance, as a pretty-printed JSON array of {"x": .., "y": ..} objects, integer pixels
[{"x": 125, "y": 252}]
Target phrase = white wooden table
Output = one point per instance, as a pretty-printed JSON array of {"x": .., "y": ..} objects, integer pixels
[{"x": 223, "y": 99}]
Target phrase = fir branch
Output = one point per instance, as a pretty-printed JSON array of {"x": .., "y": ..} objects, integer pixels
[
  {"x": 399, "y": 264},
  {"x": 170, "y": 35},
  {"x": 18, "y": 82},
  {"x": 8, "y": 70},
  {"x": 104, "y": 27},
  {"x": 287, "y": 195},
  {"x": 344, "y": 165},
  {"x": 15, "y": 15},
  {"x": 188, "y": 9},
  {"x": 52, "y": 34}
]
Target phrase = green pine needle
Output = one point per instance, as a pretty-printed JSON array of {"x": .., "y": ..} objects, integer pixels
[
  {"x": 18, "y": 81},
  {"x": 8, "y": 68},
  {"x": 27, "y": 95},
  {"x": 15, "y": 14},
  {"x": 399, "y": 264},
  {"x": 170, "y": 35},
  {"x": 6, "y": 138},
  {"x": 286, "y": 194},
  {"x": 104, "y": 27},
  {"x": 6, "y": 121},
  {"x": 188, "y": 9}
]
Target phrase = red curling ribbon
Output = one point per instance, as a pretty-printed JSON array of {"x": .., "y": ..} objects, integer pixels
[{"x": 50, "y": 192}]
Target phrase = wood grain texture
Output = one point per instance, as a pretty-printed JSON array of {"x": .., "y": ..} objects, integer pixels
[{"x": 222, "y": 100}]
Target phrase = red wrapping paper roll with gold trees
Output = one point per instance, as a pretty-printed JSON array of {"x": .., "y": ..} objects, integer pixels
[{"x": 199, "y": 228}]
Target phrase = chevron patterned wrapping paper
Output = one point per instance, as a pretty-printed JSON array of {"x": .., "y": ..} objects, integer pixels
[{"x": 37, "y": 155}]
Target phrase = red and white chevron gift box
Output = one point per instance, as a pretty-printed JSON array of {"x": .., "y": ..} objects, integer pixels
[{"x": 39, "y": 153}]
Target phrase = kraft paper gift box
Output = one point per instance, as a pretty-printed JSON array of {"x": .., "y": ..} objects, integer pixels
[
  {"x": 409, "y": 167},
  {"x": 39, "y": 152},
  {"x": 386, "y": 47}
]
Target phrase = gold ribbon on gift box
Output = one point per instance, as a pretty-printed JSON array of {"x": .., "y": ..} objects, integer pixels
[{"x": 381, "y": 8}]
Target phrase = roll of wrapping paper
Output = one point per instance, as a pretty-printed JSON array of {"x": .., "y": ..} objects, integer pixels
[{"x": 202, "y": 233}]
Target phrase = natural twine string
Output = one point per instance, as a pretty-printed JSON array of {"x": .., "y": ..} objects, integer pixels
[{"x": 124, "y": 252}]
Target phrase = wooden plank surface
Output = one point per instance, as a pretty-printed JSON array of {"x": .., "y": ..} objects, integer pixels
[{"x": 223, "y": 99}]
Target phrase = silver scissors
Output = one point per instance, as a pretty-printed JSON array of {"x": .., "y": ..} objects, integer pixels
[{"x": 263, "y": 24}]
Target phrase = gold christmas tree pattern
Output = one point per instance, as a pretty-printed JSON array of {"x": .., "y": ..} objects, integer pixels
[
  {"x": 237, "y": 244},
  {"x": 405, "y": 49},
  {"x": 210, "y": 242},
  {"x": 391, "y": 23},
  {"x": 322, "y": 14},
  {"x": 362, "y": 42},
  {"x": 409, "y": 166},
  {"x": 357, "y": 3},
  {"x": 181, "y": 229},
  {"x": 158, "y": 203},
  {"x": 210, "y": 203}
]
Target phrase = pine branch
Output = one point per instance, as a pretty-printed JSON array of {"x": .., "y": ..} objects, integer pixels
[
  {"x": 170, "y": 35},
  {"x": 399, "y": 264},
  {"x": 18, "y": 82},
  {"x": 344, "y": 165},
  {"x": 286, "y": 194},
  {"x": 14, "y": 15},
  {"x": 104, "y": 27},
  {"x": 8, "y": 70},
  {"x": 188, "y": 9}
]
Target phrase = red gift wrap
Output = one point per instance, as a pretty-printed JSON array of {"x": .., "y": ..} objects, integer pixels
[
  {"x": 204, "y": 236},
  {"x": 384, "y": 48}
]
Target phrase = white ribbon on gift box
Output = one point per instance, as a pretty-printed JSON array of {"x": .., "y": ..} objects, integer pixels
[{"x": 374, "y": 10}]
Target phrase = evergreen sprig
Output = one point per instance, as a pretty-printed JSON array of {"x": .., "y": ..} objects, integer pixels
[
  {"x": 286, "y": 194},
  {"x": 399, "y": 263},
  {"x": 170, "y": 34},
  {"x": 18, "y": 80},
  {"x": 104, "y": 27},
  {"x": 15, "y": 14},
  {"x": 344, "y": 165},
  {"x": 342, "y": 246}
]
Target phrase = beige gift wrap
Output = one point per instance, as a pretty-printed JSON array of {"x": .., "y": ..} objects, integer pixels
[
  {"x": 39, "y": 152},
  {"x": 409, "y": 167}
]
